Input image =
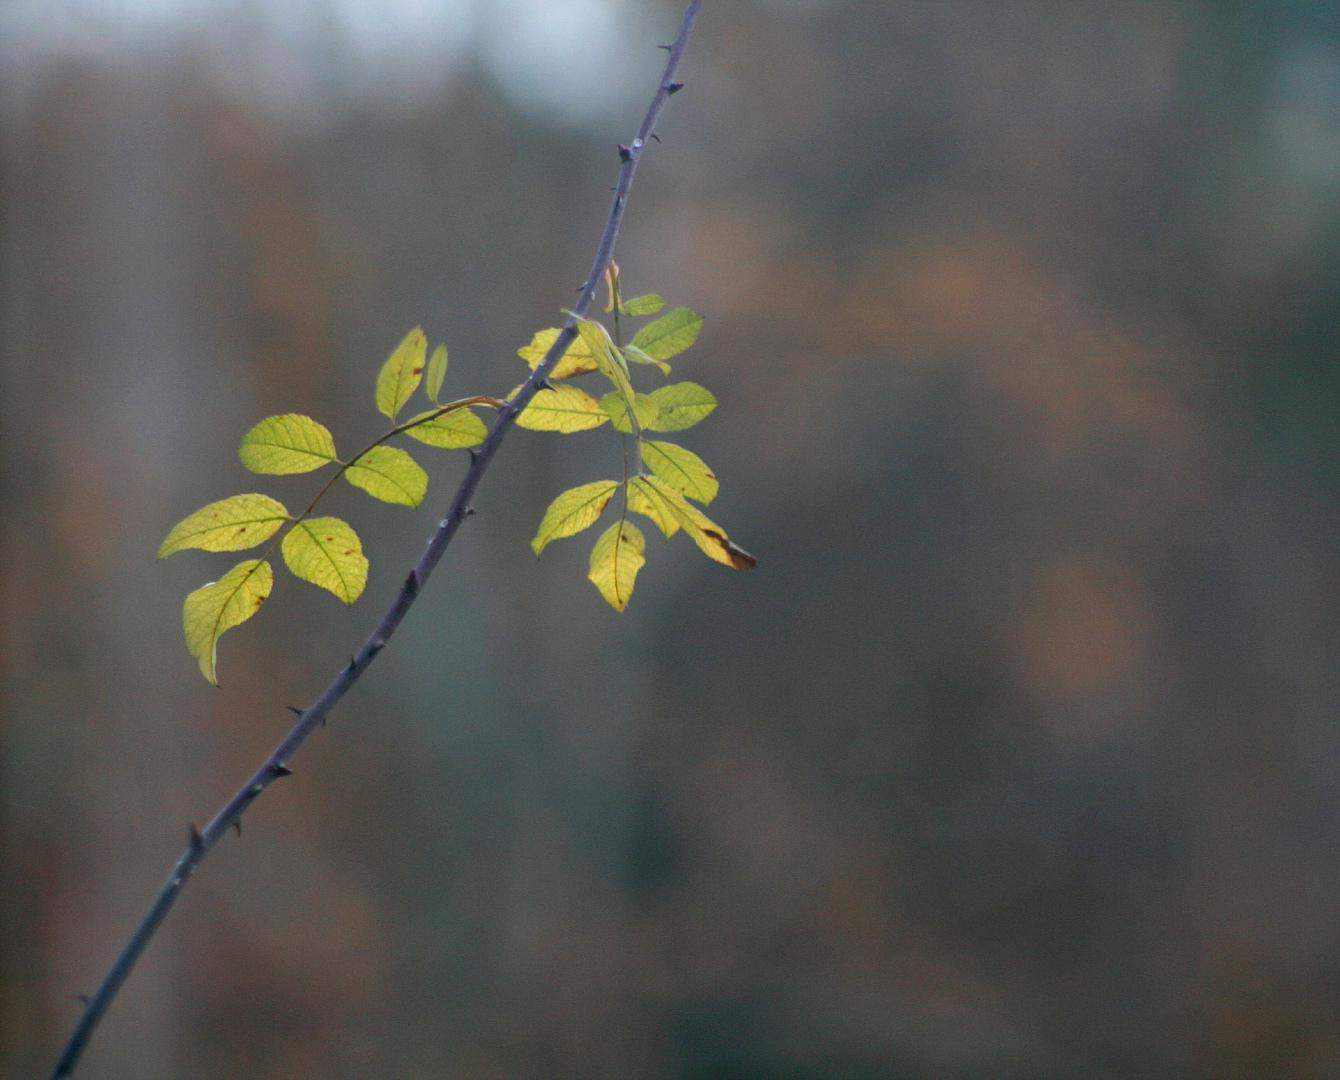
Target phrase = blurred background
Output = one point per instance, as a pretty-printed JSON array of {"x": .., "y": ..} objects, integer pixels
[{"x": 1018, "y": 756}]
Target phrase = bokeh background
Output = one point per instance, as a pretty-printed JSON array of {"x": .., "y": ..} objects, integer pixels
[{"x": 1018, "y": 756}]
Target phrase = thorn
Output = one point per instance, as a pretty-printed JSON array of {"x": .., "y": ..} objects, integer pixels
[
  {"x": 238, "y": 826},
  {"x": 468, "y": 511},
  {"x": 353, "y": 660},
  {"x": 655, "y": 136},
  {"x": 197, "y": 841},
  {"x": 665, "y": 47},
  {"x": 624, "y": 153},
  {"x": 674, "y": 88},
  {"x": 474, "y": 455},
  {"x": 294, "y": 710},
  {"x": 82, "y": 998},
  {"x": 543, "y": 384},
  {"x": 280, "y": 769}
]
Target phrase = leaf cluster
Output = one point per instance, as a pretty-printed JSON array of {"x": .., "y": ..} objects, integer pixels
[
  {"x": 661, "y": 480},
  {"x": 324, "y": 551}
]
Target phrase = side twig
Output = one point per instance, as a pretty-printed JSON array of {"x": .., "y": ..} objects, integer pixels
[{"x": 276, "y": 764}]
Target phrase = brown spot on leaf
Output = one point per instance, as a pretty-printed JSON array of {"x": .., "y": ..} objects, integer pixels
[{"x": 739, "y": 558}]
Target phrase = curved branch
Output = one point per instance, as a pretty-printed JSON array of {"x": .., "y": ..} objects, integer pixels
[{"x": 276, "y": 764}]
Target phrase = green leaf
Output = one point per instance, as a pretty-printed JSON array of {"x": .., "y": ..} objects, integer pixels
[
  {"x": 644, "y": 410},
  {"x": 437, "y": 371},
  {"x": 281, "y": 445},
  {"x": 328, "y": 553},
  {"x": 576, "y": 361},
  {"x": 608, "y": 359},
  {"x": 400, "y": 375},
  {"x": 631, "y": 352},
  {"x": 707, "y": 534},
  {"x": 574, "y": 510},
  {"x": 645, "y": 501},
  {"x": 565, "y": 408},
  {"x": 615, "y": 561},
  {"x": 682, "y": 405},
  {"x": 670, "y": 334},
  {"x": 220, "y": 606},
  {"x": 682, "y": 469},
  {"x": 646, "y": 304},
  {"x": 454, "y": 430},
  {"x": 228, "y": 525},
  {"x": 389, "y": 474}
]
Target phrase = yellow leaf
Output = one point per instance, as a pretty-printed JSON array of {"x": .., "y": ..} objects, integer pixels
[
  {"x": 281, "y": 445},
  {"x": 608, "y": 359},
  {"x": 646, "y": 304},
  {"x": 437, "y": 371},
  {"x": 644, "y": 411},
  {"x": 389, "y": 474},
  {"x": 574, "y": 510},
  {"x": 681, "y": 406},
  {"x": 220, "y": 606},
  {"x": 615, "y": 561},
  {"x": 710, "y": 537},
  {"x": 451, "y": 431},
  {"x": 565, "y": 408},
  {"x": 401, "y": 374},
  {"x": 328, "y": 553},
  {"x": 645, "y": 501},
  {"x": 668, "y": 335},
  {"x": 576, "y": 361},
  {"x": 233, "y": 524},
  {"x": 682, "y": 469}
]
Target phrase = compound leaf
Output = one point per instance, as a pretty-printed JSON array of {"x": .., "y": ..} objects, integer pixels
[
  {"x": 327, "y": 552},
  {"x": 233, "y": 524},
  {"x": 389, "y": 474},
  {"x": 646, "y": 304},
  {"x": 565, "y": 408},
  {"x": 707, "y": 534},
  {"x": 574, "y": 510},
  {"x": 670, "y": 334},
  {"x": 681, "y": 406},
  {"x": 454, "y": 430},
  {"x": 644, "y": 411},
  {"x": 437, "y": 371},
  {"x": 615, "y": 561},
  {"x": 281, "y": 445},
  {"x": 220, "y": 606},
  {"x": 401, "y": 374},
  {"x": 642, "y": 500},
  {"x": 682, "y": 469},
  {"x": 576, "y": 361}
]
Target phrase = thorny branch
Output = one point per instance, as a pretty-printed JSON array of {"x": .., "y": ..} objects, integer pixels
[{"x": 276, "y": 765}]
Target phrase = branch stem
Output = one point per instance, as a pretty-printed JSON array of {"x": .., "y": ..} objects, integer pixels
[{"x": 276, "y": 764}]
